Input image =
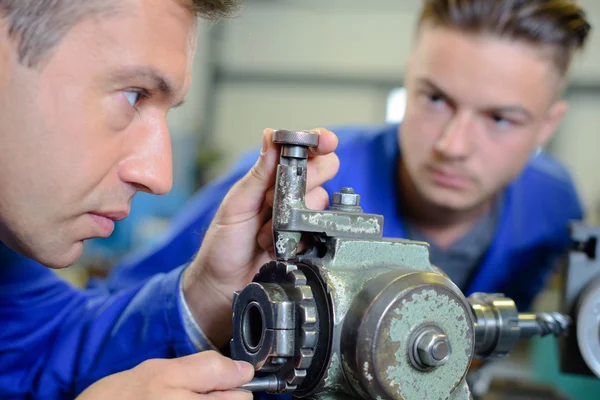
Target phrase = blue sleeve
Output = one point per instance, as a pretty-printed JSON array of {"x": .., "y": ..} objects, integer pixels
[
  {"x": 56, "y": 339},
  {"x": 181, "y": 242},
  {"x": 540, "y": 262}
]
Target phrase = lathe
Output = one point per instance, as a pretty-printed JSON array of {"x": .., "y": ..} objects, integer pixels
[{"x": 356, "y": 315}]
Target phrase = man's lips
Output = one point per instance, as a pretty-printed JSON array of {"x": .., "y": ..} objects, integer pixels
[
  {"x": 105, "y": 221},
  {"x": 449, "y": 179},
  {"x": 113, "y": 215}
]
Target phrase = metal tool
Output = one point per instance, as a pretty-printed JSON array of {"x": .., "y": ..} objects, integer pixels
[
  {"x": 580, "y": 349},
  {"x": 267, "y": 384},
  {"x": 358, "y": 315},
  {"x": 499, "y": 326}
]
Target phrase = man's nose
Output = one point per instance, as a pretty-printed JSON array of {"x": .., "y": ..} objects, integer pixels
[
  {"x": 456, "y": 140},
  {"x": 149, "y": 164}
]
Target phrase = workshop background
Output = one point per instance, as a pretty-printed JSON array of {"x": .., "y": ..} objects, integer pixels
[{"x": 310, "y": 63}]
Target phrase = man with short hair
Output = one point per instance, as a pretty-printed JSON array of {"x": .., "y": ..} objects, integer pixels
[
  {"x": 462, "y": 171},
  {"x": 85, "y": 87}
]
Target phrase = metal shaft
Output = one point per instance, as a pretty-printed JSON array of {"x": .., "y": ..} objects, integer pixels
[
  {"x": 542, "y": 324},
  {"x": 269, "y": 384}
]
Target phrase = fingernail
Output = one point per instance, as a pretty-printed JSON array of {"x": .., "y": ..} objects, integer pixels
[
  {"x": 244, "y": 368},
  {"x": 265, "y": 145}
]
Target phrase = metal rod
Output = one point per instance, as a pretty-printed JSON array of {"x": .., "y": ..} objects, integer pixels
[
  {"x": 543, "y": 324},
  {"x": 269, "y": 384}
]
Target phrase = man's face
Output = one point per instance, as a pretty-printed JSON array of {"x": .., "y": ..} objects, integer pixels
[
  {"x": 81, "y": 135},
  {"x": 477, "y": 107}
]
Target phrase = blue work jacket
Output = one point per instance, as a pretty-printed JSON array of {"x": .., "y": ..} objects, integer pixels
[{"x": 56, "y": 340}]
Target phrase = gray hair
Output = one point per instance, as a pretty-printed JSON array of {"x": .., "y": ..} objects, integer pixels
[{"x": 39, "y": 25}]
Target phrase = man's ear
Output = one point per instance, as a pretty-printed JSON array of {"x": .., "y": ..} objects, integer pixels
[{"x": 551, "y": 122}]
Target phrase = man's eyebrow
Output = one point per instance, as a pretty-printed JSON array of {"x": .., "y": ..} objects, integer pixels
[
  {"x": 160, "y": 81},
  {"x": 510, "y": 109},
  {"x": 429, "y": 83}
]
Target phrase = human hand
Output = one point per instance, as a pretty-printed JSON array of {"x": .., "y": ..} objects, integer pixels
[
  {"x": 239, "y": 240},
  {"x": 205, "y": 375}
]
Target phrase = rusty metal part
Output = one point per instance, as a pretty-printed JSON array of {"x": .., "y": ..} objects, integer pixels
[
  {"x": 291, "y": 217},
  {"x": 367, "y": 317},
  {"x": 361, "y": 307},
  {"x": 401, "y": 325}
]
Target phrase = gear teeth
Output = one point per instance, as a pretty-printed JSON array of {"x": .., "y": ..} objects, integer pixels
[
  {"x": 305, "y": 359},
  {"x": 290, "y": 388},
  {"x": 289, "y": 268},
  {"x": 305, "y": 293},
  {"x": 308, "y": 314},
  {"x": 297, "y": 376},
  {"x": 308, "y": 338},
  {"x": 295, "y": 284},
  {"x": 298, "y": 278}
]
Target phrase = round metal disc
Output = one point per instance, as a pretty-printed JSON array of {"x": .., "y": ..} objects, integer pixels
[
  {"x": 381, "y": 330},
  {"x": 588, "y": 327},
  {"x": 296, "y": 138}
]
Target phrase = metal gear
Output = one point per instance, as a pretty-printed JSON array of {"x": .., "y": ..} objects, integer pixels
[{"x": 295, "y": 284}]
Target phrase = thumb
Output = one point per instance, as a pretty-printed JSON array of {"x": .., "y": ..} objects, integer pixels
[
  {"x": 209, "y": 371},
  {"x": 246, "y": 197}
]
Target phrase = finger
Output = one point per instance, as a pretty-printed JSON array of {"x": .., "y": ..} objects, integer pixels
[
  {"x": 181, "y": 394},
  {"x": 230, "y": 395},
  {"x": 328, "y": 142},
  {"x": 317, "y": 199},
  {"x": 208, "y": 371},
  {"x": 322, "y": 169},
  {"x": 270, "y": 197},
  {"x": 265, "y": 236},
  {"x": 246, "y": 197}
]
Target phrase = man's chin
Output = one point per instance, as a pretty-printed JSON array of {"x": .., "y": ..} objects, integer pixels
[
  {"x": 63, "y": 259},
  {"x": 450, "y": 202}
]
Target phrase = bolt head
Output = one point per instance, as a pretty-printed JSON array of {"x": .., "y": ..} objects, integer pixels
[
  {"x": 433, "y": 349},
  {"x": 346, "y": 197}
]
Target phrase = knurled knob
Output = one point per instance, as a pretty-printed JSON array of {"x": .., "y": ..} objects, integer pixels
[{"x": 296, "y": 138}]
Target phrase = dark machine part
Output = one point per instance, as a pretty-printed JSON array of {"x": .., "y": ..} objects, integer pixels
[
  {"x": 580, "y": 349},
  {"x": 358, "y": 315}
]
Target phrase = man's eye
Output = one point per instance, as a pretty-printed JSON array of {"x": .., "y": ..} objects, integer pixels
[
  {"x": 435, "y": 98},
  {"x": 132, "y": 96},
  {"x": 500, "y": 121}
]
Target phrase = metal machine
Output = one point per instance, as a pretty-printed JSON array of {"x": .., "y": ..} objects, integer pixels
[
  {"x": 580, "y": 349},
  {"x": 357, "y": 315}
]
